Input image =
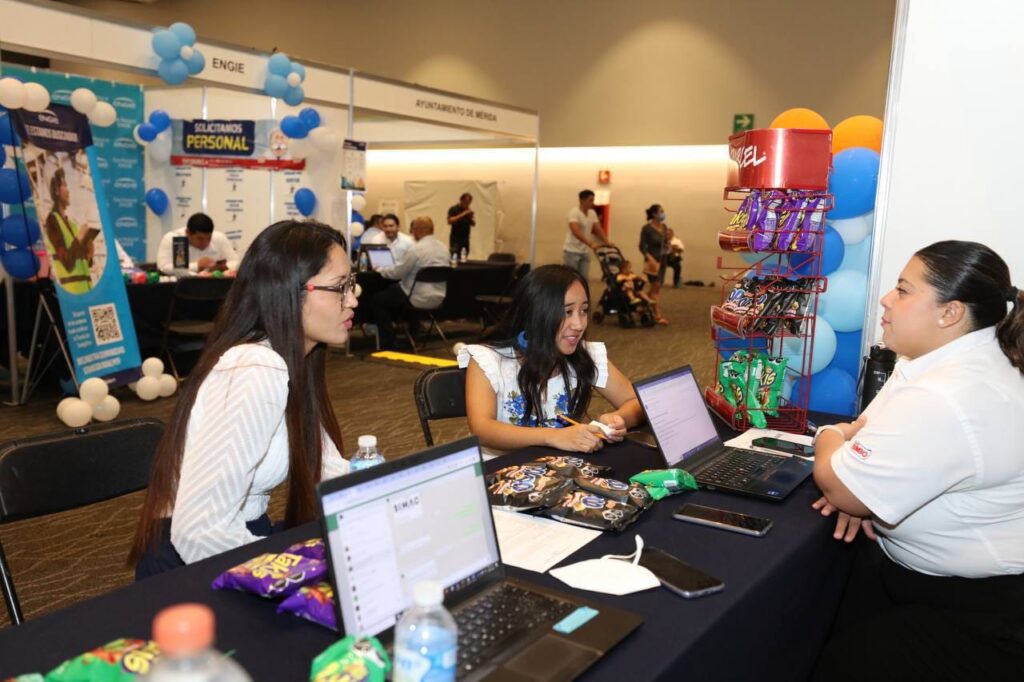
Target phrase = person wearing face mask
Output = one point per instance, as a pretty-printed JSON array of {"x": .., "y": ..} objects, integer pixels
[
  {"x": 255, "y": 409},
  {"x": 933, "y": 473},
  {"x": 542, "y": 368},
  {"x": 654, "y": 245}
]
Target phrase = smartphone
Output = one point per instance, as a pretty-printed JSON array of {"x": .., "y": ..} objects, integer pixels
[
  {"x": 788, "y": 447},
  {"x": 680, "y": 577},
  {"x": 720, "y": 518}
]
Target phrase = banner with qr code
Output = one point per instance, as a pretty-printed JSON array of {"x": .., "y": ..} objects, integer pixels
[{"x": 61, "y": 163}]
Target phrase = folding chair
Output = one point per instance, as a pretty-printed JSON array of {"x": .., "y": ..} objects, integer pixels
[
  {"x": 440, "y": 394},
  {"x": 68, "y": 469},
  {"x": 430, "y": 275},
  {"x": 194, "y": 306},
  {"x": 495, "y": 306}
]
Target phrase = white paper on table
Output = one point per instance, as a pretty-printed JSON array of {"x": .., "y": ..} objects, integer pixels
[
  {"x": 745, "y": 440},
  {"x": 536, "y": 543}
]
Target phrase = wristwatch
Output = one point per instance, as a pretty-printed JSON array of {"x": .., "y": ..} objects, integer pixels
[{"x": 827, "y": 427}]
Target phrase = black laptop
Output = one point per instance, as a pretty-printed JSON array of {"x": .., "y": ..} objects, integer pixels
[
  {"x": 427, "y": 517},
  {"x": 687, "y": 438}
]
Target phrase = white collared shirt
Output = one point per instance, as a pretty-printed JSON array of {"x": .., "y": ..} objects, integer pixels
[
  {"x": 427, "y": 252},
  {"x": 940, "y": 461},
  {"x": 220, "y": 248},
  {"x": 399, "y": 247}
]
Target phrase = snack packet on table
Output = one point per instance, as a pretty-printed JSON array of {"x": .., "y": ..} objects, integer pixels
[
  {"x": 122, "y": 660},
  {"x": 272, "y": 575},
  {"x": 582, "y": 508},
  {"x": 315, "y": 603},
  {"x": 312, "y": 548},
  {"x": 661, "y": 483},
  {"x": 351, "y": 659},
  {"x": 574, "y": 467},
  {"x": 527, "y": 487}
]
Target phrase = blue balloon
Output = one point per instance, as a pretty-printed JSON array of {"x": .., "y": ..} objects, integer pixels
[
  {"x": 279, "y": 65},
  {"x": 847, "y": 357},
  {"x": 823, "y": 347},
  {"x": 147, "y": 132},
  {"x": 20, "y": 263},
  {"x": 275, "y": 86},
  {"x": 832, "y": 251},
  {"x": 293, "y": 127},
  {"x": 842, "y": 303},
  {"x": 357, "y": 217},
  {"x": 14, "y": 187},
  {"x": 157, "y": 201},
  {"x": 294, "y": 96},
  {"x": 857, "y": 256},
  {"x": 301, "y": 70},
  {"x": 160, "y": 120},
  {"x": 195, "y": 63},
  {"x": 310, "y": 117},
  {"x": 19, "y": 231},
  {"x": 853, "y": 182},
  {"x": 185, "y": 33},
  {"x": 6, "y": 130},
  {"x": 728, "y": 343},
  {"x": 305, "y": 201},
  {"x": 832, "y": 390},
  {"x": 172, "y": 71},
  {"x": 166, "y": 44}
]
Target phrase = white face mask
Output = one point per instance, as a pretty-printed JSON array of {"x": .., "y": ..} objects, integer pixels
[{"x": 609, "y": 574}]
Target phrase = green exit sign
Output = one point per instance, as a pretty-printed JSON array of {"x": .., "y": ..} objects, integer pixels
[{"x": 741, "y": 122}]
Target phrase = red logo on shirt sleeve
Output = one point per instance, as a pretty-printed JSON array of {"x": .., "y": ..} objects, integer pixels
[{"x": 858, "y": 449}]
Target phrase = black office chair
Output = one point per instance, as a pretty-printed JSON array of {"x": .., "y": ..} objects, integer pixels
[
  {"x": 440, "y": 394},
  {"x": 195, "y": 304},
  {"x": 494, "y": 306},
  {"x": 434, "y": 274},
  {"x": 68, "y": 469}
]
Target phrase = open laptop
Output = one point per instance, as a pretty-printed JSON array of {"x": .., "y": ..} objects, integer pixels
[
  {"x": 379, "y": 254},
  {"x": 427, "y": 517},
  {"x": 687, "y": 438}
]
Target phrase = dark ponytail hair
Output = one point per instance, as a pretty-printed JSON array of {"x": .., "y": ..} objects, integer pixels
[
  {"x": 976, "y": 276},
  {"x": 537, "y": 312},
  {"x": 652, "y": 211},
  {"x": 264, "y": 303}
]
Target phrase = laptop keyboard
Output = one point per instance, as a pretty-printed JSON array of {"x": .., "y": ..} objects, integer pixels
[
  {"x": 737, "y": 468},
  {"x": 490, "y": 624}
]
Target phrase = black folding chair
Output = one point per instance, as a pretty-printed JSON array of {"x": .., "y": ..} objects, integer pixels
[
  {"x": 434, "y": 274},
  {"x": 195, "y": 304},
  {"x": 68, "y": 469},
  {"x": 440, "y": 394},
  {"x": 494, "y": 306}
]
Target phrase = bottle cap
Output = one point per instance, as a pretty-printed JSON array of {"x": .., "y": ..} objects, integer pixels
[
  {"x": 427, "y": 593},
  {"x": 367, "y": 441},
  {"x": 184, "y": 629}
]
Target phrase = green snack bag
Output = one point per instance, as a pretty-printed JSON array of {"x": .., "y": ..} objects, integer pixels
[
  {"x": 122, "y": 660},
  {"x": 773, "y": 371},
  {"x": 351, "y": 659},
  {"x": 661, "y": 483},
  {"x": 31, "y": 677}
]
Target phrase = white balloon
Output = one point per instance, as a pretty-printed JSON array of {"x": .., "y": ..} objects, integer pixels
[
  {"x": 12, "y": 93},
  {"x": 168, "y": 385},
  {"x": 62, "y": 405},
  {"x": 152, "y": 367},
  {"x": 328, "y": 142},
  {"x": 160, "y": 148},
  {"x": 76, "y": 413},
  {"x": 37, "y": 98},
  {"x": 103, "y": 115},
  {"x": 316, "y": 135},
  {"x": 108, "y": 409},
  {"x": 83, "y": 100},
  {"x": 358, "y": 202},
  {"x": 93, "y": 391},
  {"x": 853, "y": 230},
  {"x": 299, "y": 149},
  {"x": 293, "y": 79},
  {"x": 357, "y": 229},
  {"x": 186, "y": 52},
  {"x": 148, "y": 388}
]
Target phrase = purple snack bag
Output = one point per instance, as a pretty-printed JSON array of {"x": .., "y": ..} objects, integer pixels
[
  {"x": 757, "y": 207},
  {"x": 766, "y": 230},
  {"x": 312, "y": 548},
  {"x": 810, "y": 226},
  {"x": 789, "y": 226},
  {"x": 314, "y": 603},
  {"x": 271, "y": 575}
]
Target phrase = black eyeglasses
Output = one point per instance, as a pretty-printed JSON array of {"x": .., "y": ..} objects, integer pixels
[{"x": 343, "y": 289}]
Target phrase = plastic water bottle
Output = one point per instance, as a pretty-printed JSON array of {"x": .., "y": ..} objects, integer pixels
[
  {"x": 367, "y": 455},
  {"x": 364, "y": 262},
  {"x": 426, "y": 638},
  {"x": 463, "y": 255},
  {"x": 184, "y": 634},
  {"x": 455, "y": 259}
]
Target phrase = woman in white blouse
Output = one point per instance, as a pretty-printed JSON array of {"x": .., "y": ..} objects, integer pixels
[
  {"x": 255, "y": 410},
  {"x": 933, "y": 472},
  {"x": 517, "y": 388}
]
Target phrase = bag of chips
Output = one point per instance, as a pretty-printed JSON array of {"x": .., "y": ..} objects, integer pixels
[
  {"x": 527, "y": 487},
  {"x": 773, "y": 372},
  {"x": 574, "y": 467},
  {"x": 661, "y": 483},
  {"x": 351, "y": 660},
  {"x": 605, "y": 487},
  {"x": 122, "y": 660},
  {"x": 314, "y": 603},
  {"x": 312, "y": 549},
  {"x": 582, "y": 508},
  {"x": 272, "y": 575}
]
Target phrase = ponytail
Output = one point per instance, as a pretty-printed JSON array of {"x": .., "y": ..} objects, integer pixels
[{"x": 1010, "y": 330}]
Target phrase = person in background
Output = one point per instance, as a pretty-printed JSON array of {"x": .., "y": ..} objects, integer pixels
[
  {"x": 70, "y": 248},
  {"x": 398, "y": 242},
  {"x": 387, "y": 304},
  {"x": 372, "y": 230},
  {"x": 542, "y": 368},
  {"x": 674, "y": 260},
  {"x": 255, "y": 409},
  {"x": 933, "y": 473},
  {"x": 633, "y": 287},
  {"x": 654, "y": 247},
  {"x": 207, "y": 249},
  {"x": 460, "y": 218},
  {"x": 585, "y": 233}
]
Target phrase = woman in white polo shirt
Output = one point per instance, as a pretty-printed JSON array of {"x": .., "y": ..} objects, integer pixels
[{"x": 934, "y": 471}]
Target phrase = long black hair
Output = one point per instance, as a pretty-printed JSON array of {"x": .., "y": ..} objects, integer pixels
[
  {"x": 530, "y": 328},
  {"x": 264, "y": 303},
  {"x": 975, "y": 275},
  {"x": 652, "y": 211}
]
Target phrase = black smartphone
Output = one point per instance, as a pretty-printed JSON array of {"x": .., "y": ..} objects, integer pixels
[
  {"x": 720, "y": 518},
  {"x": 788, "y": 447},
  {"x": 680, "y": 577}
]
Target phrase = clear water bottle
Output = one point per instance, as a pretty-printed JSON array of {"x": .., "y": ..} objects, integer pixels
[
  {"x": 364, "y": 262},
  {"x": 367, "y": 455},
  {"x": 426, "y": 638},
  {"x": 184, "y": 634},
  {"x": 463, "y": 255},
  {"x": 455, "y": 259}
]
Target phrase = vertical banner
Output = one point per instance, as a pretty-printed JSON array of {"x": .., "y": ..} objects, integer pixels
[
  {"x": 62, "y": 166},
  {"x": 353, "y": 165}
]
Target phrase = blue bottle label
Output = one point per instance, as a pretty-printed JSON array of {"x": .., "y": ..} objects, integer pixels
[{"x": 413, "y": 665}]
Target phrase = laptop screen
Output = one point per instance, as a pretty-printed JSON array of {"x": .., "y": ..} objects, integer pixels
[
  {"x": 380, "y": 258},
  {"x": 430, "y": 521},
  {"x": 677, "y": 414}
]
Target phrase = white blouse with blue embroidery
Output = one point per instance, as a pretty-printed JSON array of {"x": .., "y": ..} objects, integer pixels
[{"x": 501, "y": 367}]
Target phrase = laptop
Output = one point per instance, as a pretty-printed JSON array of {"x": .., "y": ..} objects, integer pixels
[
  {"x": 379, "y": 254},
  {"x": 427, "y": 517},
  {"x": 686, "y": 435}
]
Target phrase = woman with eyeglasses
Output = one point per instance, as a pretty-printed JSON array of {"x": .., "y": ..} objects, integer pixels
[{"x": 255, "y": 409}]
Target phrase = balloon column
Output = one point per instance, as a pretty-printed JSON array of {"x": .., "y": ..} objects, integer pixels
[
  {"x": 179, "y": 57},
  {"x": 284, "y": 79},
  {"x": 155, "y": 136},
  {"x": 856, "y": 143},
  {"x": 308, "y": 138}
]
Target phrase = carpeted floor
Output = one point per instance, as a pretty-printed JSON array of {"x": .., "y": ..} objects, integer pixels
[{"x": 72, "y": 556}]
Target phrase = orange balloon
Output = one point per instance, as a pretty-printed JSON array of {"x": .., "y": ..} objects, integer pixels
[
  {"x": 800, "y": 118},
  {"x": 858, "y": 131}
]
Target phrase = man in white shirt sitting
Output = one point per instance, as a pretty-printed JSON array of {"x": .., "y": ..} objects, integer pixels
[
  {"x": 387, "y": 304},
  {"x": 207, "y": 250},
  {"x": 398, "y": 242}
]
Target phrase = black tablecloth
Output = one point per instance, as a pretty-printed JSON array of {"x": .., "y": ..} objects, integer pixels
[{"x": 781, "y": 593}]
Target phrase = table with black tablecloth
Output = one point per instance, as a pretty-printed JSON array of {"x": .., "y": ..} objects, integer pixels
[{"x": 769, "y": 623}]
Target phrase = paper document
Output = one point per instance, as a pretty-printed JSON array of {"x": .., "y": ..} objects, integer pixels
[
  {"x": 745, "y": 439},
  {"x": 536, "y": 543}
]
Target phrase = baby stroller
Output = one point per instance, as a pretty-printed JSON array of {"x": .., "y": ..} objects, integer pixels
[{"x": 617, "y": 299}]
